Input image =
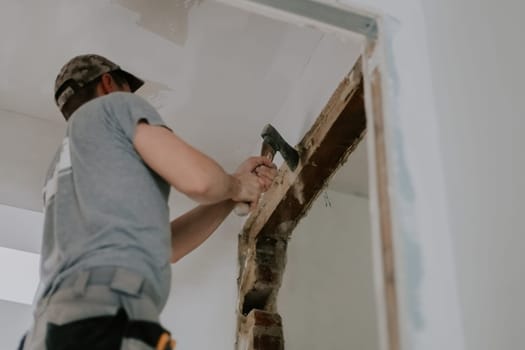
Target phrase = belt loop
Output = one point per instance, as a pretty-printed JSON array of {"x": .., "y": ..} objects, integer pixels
[
  {"x": 81, "y": 282},
  {"x": 127, "y": 281}
]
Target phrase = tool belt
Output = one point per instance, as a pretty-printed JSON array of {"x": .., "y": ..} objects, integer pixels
[
  {"x": 107, "y": 333},
  {"x": 148, "y": 332}
]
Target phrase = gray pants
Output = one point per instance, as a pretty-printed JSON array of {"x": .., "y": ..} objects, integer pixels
[{"x": 93, "y": 293}]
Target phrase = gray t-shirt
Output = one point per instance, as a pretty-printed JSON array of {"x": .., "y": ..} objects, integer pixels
[{"x": 103, "y": 205}]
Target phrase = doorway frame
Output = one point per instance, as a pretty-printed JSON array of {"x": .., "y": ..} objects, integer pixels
[{"x": 348, "y": 21}]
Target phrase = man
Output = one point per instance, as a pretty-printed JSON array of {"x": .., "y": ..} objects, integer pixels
[{"x": 108, "y": 242}]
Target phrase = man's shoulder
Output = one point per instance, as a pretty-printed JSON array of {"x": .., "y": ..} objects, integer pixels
[
  {"x": 113, "y": 103},
  {"x": 115, "y": 99},
  {"x": 122, "y": 97}
]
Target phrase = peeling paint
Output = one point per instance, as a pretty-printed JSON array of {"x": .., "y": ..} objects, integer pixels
[
  {"x": 298, "y": 192},
  {"x": 168, "y": 18},
  {"x": 285, "y": 228},
  {"x": 246, "y": 260}
]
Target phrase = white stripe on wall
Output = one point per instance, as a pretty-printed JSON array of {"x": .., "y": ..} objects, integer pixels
[
  {"x": 21, "y": 229},
  {"x": 19, "y": 275}
]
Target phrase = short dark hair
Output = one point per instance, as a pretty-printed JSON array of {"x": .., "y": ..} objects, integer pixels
[{"x": 88, "y": 92}]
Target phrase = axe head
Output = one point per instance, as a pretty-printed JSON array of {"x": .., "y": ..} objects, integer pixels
[{"x": 274, "y": 140}]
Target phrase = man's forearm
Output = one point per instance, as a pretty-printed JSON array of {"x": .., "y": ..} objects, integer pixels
[
  {"x": 218, "y": 187},
  {"x": 185, "y": 168},
  {"x": 191, "y": 229}
]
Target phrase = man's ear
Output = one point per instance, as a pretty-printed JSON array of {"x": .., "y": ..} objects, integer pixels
[{"x": 107, "y": 84}]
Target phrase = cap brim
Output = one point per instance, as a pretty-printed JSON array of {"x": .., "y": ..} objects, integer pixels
[{"x": 133, "y": 82}]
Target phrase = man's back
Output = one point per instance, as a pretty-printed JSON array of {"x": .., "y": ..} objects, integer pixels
[{"x": 103, "y": 205}]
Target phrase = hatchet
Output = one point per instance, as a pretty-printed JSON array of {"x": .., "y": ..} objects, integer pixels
[{"x": 273, "y": 142}]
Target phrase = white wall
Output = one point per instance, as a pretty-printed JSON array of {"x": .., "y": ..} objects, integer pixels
[
  {"x": 477, "y": 56},
  {"x": 456, "y": 117},
  {"x": 27, "y": 145},
  {"x": 327, "y": 296},
  {"x": 14, "y": 320},
  {"x": 20, "y": 238}
]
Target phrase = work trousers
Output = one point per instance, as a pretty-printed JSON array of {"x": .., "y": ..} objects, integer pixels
[{"x": 94, "y": 309}]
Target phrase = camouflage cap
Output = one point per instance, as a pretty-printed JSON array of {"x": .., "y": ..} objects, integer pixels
[{"x": 83, "y": 69}]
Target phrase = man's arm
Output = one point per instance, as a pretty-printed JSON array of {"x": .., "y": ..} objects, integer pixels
[
  {"x": 190, "y": 171},
  {"x": 190, "y": 230},
  {"x": 202, "y": 179}
]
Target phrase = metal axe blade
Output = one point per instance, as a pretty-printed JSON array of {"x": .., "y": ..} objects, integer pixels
[{"x": 272, "y": 138}]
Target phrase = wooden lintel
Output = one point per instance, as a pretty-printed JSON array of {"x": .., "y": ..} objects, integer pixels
[{"x": 322, "y": 150}]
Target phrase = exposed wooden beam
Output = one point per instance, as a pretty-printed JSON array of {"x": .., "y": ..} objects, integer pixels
[{"x": 323, "y": 149}]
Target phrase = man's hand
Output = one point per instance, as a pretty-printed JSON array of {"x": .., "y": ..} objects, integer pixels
[
  {"x": 257, "y": 173},
  {"x": 188, "y": 231},
  {"x": 266, "y": 175},
  {"x": 249, "y": 189}
]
